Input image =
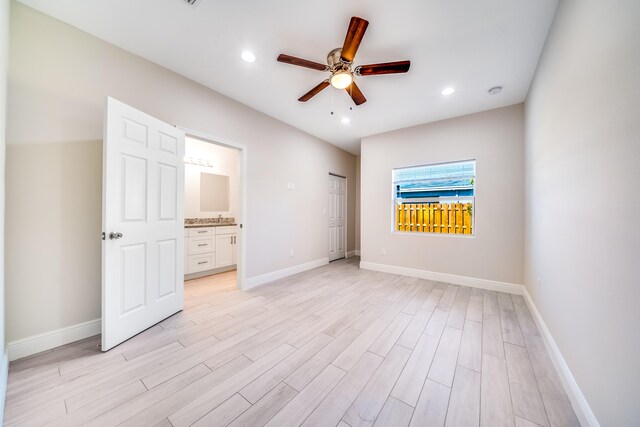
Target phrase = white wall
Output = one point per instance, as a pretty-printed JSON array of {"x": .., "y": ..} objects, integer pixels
[
  {"x": 358, "y": 211},
  {"x": 58, "y": 79},
  {"x": 4, "y": 57},
  {"x": 582, "y": 199},
  {"x": 225, "y": 161},
  {"x": 495, "y": 139}
]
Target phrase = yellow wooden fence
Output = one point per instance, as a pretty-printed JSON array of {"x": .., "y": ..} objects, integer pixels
[{"x": 452, "y": 218}]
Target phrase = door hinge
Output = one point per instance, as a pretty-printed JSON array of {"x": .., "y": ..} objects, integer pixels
[{"x": 104, "y": 235}]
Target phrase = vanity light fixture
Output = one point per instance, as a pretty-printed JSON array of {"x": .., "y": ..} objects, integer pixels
[{"x": 198, "y": 162}]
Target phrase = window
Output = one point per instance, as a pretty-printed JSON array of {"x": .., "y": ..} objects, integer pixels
[{"x": 438, "y": 198}]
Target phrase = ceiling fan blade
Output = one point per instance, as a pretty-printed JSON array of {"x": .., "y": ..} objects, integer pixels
[
  {"x": 313, "y": 92},
  {"x": 288, "y": 59},
  {"x": 356, "y": 94},
  {"x": 383, "y": 68},
  {"x": 356, "y": 30}
]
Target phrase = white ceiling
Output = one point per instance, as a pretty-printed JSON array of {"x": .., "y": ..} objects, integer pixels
[{"x": 468, "y": 44}]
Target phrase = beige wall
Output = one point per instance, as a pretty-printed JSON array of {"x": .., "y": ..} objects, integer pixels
[
  {"x": 4, "y": 57},
  {"x": 58, "y": 79},
  {"x": 495, "y": 139},
  {"x": 582, "y": 199},
  {"x": 54, "y": 211},
  {"x": 225, "y": 161}
]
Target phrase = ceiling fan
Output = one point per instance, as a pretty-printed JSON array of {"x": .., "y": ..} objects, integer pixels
[{"x": 340, "y": 65}]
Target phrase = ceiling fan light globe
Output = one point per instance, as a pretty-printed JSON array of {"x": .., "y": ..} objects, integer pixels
[{"x": 341, "y": 80}]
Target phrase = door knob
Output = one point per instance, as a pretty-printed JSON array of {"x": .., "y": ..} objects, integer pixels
[{"x": 115, "y": 236}]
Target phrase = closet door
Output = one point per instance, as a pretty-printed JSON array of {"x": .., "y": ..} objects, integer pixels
[
  {"x": 143, "y": 220},
  {"x": 337, "y": 214}
]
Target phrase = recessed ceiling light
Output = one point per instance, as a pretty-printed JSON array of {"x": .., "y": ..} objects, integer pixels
[
  {"x": 495, "y": 90},
  {"x": 345, "y": 120},
  {"x": 248, "y": 56},
  {"x": 448, "y": 90}
]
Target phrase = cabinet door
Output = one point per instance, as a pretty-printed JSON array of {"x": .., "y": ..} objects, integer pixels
[{"x": 224, "y": 250}]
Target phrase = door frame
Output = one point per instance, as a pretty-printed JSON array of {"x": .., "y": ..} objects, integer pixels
[
  {"x": 346, "y": 212},
  {"x": 242, "y": 208}
]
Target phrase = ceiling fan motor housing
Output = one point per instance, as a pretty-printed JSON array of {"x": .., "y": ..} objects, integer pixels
[{"x": 335, "y": 62}]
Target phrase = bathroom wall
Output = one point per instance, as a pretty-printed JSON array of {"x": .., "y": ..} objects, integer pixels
[{"x": 224, "y": 161}]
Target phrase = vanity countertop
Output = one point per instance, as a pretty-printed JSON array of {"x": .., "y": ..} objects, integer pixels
[{"x": 212, "y": 224}]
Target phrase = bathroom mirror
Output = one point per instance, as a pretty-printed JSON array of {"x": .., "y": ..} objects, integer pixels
[{"x": 214, "y": 192}]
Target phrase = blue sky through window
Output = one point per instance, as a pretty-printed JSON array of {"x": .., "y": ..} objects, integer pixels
[{"x": 446, "y": 176}]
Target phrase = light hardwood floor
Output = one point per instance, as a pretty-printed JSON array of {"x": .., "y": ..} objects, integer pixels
[{"x": 334, "y": 346}]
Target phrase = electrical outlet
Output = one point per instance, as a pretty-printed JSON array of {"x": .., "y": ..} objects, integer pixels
[
  {"x": 383, "y": 251},
  {"x": 539, "y": 284},
  {"x": 290, "y": 252}
]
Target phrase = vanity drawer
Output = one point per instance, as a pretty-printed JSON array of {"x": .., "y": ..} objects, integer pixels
[
  {"x": 201, "y": 231},
  {"x": 203, "y": 262},
  {"x": 227, "y": 229},
  {"x": 201, "y": 245}
]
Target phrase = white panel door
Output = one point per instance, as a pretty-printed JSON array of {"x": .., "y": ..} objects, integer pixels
[
  {"x": 337, "y": 213},
  {"x": 143, "y": 220}
]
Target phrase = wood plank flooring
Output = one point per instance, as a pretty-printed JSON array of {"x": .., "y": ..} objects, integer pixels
[{"x": 334, "y": 346}]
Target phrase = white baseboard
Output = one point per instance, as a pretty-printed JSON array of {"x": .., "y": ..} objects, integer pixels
[
  {"x": 473, "y": 282},
  {"x": 580, "y": 406},
  {"x": 357, "y": 251},
  {"x": 37, "y": 343},
  {"x": 350, "y": 254},
  {"x": 252, "y": 282},
  {"x": 4, "y": 375}
]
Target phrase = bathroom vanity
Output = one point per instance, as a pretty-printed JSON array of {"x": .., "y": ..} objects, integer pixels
[{"x": 210, "y": 246}]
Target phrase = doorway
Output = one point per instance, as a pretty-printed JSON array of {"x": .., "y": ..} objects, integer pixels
[
  {"x": 337, "y": 215},
  {"x": 215, "y": 207}
]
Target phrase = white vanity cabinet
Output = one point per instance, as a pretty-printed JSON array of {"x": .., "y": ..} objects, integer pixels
[
  {"x": 208, "y": 248},
  {"x": 225, "y": 246}
]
